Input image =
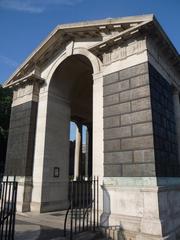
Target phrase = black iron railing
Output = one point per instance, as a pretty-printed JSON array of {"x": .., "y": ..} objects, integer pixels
[
  {"x": 83, "y": 212},
  {"x": 8, "y": 193}
]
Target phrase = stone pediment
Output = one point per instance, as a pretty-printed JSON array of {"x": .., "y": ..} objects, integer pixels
[{"x": 99, "y": 36}]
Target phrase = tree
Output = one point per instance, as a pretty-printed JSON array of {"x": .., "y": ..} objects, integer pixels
[{"x": 5, "y": 111}]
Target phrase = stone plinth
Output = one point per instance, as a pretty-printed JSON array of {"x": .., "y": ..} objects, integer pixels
[{"x": 141, "y": 208}]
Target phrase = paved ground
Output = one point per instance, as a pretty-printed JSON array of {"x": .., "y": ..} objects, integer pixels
[
  {"x": 44, "y": 227},
  {"x": 39, "y": 227}
]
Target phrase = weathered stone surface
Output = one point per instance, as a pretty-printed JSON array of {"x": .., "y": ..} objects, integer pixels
[
  {"x": 112, "y": 122},
  {"x": 20, "y": 152},
  {"x": 111, "y": 78},
  {"x": 138, "y": 170},
  {"x": 120, "y": 132},
  {"x": 136, "y": 117},
  {"x": 118, "y": 157},
  {"x": 142, "y": 129},
  {"x": 112, "y": 145},
  {"x": 144, "y": 156},
  {"x": 117, "y": 109},
  {"x": 134, "y": 71},
  {"x": 135, "y": 93},
  {"x": 134, "y": 112},
  {"x": 141, "y": 104},
  {"x": 137, "y": 143},
  {"x": 116, "y": 87},
  {"x": 165, "y": 139},
  {"x": 112, "y": 170},
  {"x": 111, "y": 99},
  {"x": 139, "y": 81},
  {"x": 140, "y": 92}
]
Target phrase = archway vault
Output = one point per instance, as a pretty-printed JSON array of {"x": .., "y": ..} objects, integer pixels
[
  {"x": 94, "y": 60},
  {"x": 72, "y": 81},
  {"x": 70, "y": 93}
]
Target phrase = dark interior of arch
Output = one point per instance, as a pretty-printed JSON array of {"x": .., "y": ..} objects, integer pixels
[{"x": 73, "y": 82}]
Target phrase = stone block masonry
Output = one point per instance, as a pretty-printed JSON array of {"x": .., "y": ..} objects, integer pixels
[
  {"x": 128, "y": 129},
  {"x": 164, "y": 126},
  {"x": 139, "y": 124},
  {"x": 19, "y": 160}
]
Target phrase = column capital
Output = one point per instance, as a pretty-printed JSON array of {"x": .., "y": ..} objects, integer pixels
[
  {"x": 29, "y": 79},
  {"x": 25, "y": 90}
]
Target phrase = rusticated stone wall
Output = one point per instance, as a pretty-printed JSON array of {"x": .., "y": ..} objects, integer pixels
[
  {"x": 20, "y": 152},
  {"x": 128, "y": 132},
  {"x": 164, "y": 126},
  {"x": 139, "y": 124}
]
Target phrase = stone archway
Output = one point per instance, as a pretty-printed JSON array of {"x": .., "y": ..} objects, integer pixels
[
  {"x": 132, "y": 91},
  {"x": 48, "y": 103},
  {"x": 69, "y": 97}
]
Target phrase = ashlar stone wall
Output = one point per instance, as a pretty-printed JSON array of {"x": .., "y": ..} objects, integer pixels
[
  {"x": 128, "y": 131},
  {"x": 164, "y": 125},
  {"x": 139, "y": 124}
]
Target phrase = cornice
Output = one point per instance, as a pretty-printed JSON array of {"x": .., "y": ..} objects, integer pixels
[{"x": 31, "y": 78}]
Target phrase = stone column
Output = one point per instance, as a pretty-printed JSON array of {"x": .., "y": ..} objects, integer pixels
[
  {"x": 98, "y": 134},
  {"x": 89, "y": 151},
  {"x": 20, "y": 151},
  {"x": 78, "y": 151},
  {"x": 177, "y": 118}
]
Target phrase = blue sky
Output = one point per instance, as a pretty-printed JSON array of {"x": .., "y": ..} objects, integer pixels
[{"x": 24, "y": 23}]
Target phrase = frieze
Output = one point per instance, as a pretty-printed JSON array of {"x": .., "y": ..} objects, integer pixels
[{"x": 121, "y": 52}]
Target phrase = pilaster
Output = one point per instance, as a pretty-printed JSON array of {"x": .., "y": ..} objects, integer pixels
[{"x": 20, "y": 151}]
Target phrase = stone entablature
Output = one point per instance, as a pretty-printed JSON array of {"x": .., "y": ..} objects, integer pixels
[{"x": 131, "y": 47}]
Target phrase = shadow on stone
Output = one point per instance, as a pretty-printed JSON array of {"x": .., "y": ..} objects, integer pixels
[
  {"x": 110, "y": 232},
  {"x": 43, "y": 233}
]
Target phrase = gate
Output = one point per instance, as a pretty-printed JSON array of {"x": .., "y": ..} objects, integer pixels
[
  {"x": 83, "y": 212},
  {"x": 8, "y": 193}
]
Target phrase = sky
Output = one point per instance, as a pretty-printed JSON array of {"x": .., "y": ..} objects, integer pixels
[{"x": 25, "y": 23}]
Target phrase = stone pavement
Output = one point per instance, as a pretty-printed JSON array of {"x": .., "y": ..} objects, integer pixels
[
  {"x": 45, "y": 226},
  {"x": 39, "y": 226}
]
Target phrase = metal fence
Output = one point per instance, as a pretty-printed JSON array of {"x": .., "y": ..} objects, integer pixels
[
  {"x": 8, "y": 193},
  {"x": 83, "y": 212}
]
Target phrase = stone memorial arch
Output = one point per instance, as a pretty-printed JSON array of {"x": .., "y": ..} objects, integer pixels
[{"x": 121, "y": 78}]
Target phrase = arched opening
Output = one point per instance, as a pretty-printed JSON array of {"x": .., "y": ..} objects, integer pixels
[{"x": 71, "y": 88}]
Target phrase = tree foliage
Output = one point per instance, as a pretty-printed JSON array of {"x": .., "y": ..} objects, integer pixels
[{"x": 5, "y": 110}]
